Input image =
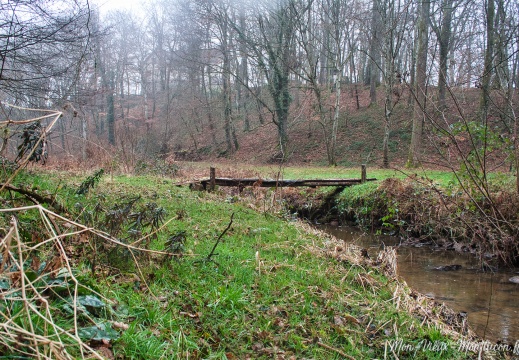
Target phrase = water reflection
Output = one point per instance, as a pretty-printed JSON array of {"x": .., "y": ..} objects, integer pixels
[{"x": 490, "y": 300}]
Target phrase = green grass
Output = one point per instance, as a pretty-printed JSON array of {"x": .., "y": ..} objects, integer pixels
[{"x": 293, "y": 302}]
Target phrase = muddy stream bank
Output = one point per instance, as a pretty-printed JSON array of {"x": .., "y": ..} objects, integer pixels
[{"x": 489, "y": 299}]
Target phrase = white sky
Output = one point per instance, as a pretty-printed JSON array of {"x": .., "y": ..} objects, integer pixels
[{"x": 107, "y": 5}]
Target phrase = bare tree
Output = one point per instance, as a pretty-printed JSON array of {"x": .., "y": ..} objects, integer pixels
[
  {"x": 40, "y": 41},
  {"x": 421, "y": 84},
  {"x": 334, "y": 36},
  {"x": 273, "y": 53},
  {"x": 374, "y": 50},
  {"x": 107, "y": 74},
  {"x": 394, "y": 18},
  {"x": 444, "y": 35},
  {"x": 221, "y": 16},
  {"x": 489, "y": 55}
]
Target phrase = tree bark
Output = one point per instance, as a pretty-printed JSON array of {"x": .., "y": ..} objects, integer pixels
[
  {"x": 226, "y": 91},
  {"x": 373, "y": 53},
  {"x": 444, "y": 44},
  {"x": 487, "y": 70},
  {"x": 244, "y": 75},
  {"x": 421, "y": 85}
]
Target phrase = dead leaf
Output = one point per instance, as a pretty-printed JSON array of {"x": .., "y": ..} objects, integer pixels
[
  {"x": 257, "y": 347},
  {"x": 274, "y": 351},
  {"x": 53, "y": 266},
  {"x": 84, "y": 237},
  {"x": 279, "y": 322},
  {"x": 35, "y": 264},
  {"x": 15, "y": 277},
  {"x": 276, "y": 311},
  {"x": 36, "y": 238},
  {"x": 120, "y": 325},
  {"x": 337, "y": 320},
  {"x": 458, "y": 246},
  {"x": 105, "y": 352},
  {"x": 351, "y": 319},
  {"x": 263, "y": 335},
  {"x": 195, "y": 316}
]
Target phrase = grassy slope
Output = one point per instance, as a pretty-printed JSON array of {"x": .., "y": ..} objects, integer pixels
[{"x": 296, "y": 301}]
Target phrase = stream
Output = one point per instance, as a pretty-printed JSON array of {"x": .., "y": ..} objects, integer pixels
[{"x": 489, "y": 299}]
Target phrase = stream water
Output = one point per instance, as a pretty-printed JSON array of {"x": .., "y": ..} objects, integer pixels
[{"x": 489, "y": 299}]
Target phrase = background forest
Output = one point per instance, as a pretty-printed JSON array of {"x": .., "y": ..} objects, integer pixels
[{"x": 322, "y": 81}]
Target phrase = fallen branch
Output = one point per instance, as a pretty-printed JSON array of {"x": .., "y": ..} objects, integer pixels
[
  {"x": 35, "y": 198},
  {"x": 211, "y": 254}
]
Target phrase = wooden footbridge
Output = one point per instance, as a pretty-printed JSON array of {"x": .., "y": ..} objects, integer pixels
[{"x": 211, "y": 182}]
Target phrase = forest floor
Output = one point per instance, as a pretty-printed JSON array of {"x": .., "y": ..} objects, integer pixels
[
  {"x": 229, "y": 276},
  {"x": 359, "y": 134}
]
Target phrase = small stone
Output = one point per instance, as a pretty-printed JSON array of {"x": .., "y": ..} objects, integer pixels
[{"x": 448, "y": 268}]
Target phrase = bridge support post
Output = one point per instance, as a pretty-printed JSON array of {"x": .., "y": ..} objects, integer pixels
[{"x": 212, "y": 178}]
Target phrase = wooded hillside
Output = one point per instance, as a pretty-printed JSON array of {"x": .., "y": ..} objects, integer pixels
[{"x": 336, "y": 82}]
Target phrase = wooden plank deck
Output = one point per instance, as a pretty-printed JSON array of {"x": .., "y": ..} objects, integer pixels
[
  {"x": 257, "y": 182},
  {"x": 212, "y": 181}
]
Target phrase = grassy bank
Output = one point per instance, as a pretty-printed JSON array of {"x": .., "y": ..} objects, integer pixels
[
  {"x": 440, "y": 213},
  {"x": 455, "y": 211},
  {"x": 272, "y": 289}
]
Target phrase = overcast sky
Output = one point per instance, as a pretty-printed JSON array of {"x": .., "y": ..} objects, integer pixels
[{"x": 107, "y": 5}]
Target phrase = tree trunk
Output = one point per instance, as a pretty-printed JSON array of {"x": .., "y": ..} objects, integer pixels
[
  {"x": 110, "y": 117},
  {"x": 421, "y": 85},
  {"x": 516, "y": 154},
  {"x": 207, "y": 95},
  {"x": 487, "y": 70},
  {"x": 388, "y": 106},
  {"x": 62, "y": 135},
  {"x": 391, "y": 46},
  {"x": 282, "y": 101},
  {"x": 501, "y": 49},
  {"x": 227, "y": 109},
  {"x": 373, "y": 52},
  {"x": 324, "y": 56},
  {"x": 84, "y": 128},
  {"x": 444, "y": 43},
  {"x": 244, "y": 75},
  {"x": 230, "y": 135},
  {"x": 335, "y": 123}
]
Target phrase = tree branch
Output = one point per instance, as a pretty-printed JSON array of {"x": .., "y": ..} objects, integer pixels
[
  {"x": 35, "y": 198},
  {"x": 211, "y": 254}
]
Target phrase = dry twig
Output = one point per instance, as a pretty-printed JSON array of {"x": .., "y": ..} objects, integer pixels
[{"x": 28, "y": 326}]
